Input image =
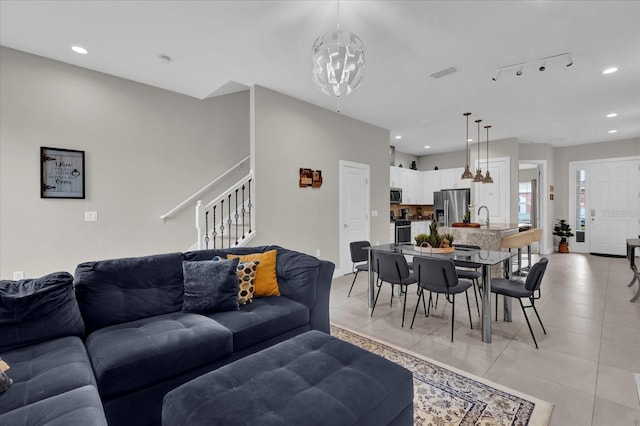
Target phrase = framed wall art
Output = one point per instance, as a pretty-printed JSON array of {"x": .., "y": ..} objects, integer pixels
[{"x": 61, "y": 173}]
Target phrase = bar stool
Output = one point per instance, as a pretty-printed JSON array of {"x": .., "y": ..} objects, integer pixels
[
  {"x": 536, "y": 237},
  {"x": 517, "y": 241}
]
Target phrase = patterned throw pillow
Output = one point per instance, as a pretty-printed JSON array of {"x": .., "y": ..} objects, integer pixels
[
  {"x": 246, "y": 280},
  {"x": 246, "y": 273},
  {"x": 5, "y": 381}
]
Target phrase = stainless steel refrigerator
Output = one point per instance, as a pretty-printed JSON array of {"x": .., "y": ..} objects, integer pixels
[{"x": 450, "y": 205}]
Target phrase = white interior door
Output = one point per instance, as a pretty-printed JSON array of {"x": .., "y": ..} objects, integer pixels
[
  {"x": 354, "y": 209},
  {"x": 494, "y": 195},
  {"x": 614, "y": 211}
]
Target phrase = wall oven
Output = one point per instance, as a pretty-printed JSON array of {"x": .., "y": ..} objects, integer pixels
[{"x": 402, "y": 232}]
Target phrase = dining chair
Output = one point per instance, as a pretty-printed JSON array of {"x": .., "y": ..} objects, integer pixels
[
  {"x": 469, "y": 271},
  {"x": 392, "y": 268},
  {"x": 530, "y": 289},
  {"x": 438, "y": 275},
  {"x": 358, "y": 255}
]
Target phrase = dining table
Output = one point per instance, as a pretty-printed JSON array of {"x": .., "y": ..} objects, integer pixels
[{"x": 486, "y": 258}]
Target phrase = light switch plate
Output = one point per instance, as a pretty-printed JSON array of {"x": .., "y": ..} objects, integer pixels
[
  {"x": 90, "y": 216},
  {"x": 18, "y": 275}
]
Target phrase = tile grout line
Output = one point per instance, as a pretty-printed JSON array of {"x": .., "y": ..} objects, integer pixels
[{"x": 595, "y": 390}]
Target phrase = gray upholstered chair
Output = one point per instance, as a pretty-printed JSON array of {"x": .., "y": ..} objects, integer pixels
[
  {"x": 392, "y": 268},
  {"x": 358, "y": 255},
  {"x": 530, "y": 289},
  {"x": 438, "y": 275},
  {"x": 469, "y": 272}
]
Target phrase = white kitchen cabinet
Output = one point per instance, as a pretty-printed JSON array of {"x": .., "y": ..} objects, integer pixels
[
  {"x": 410, "y": 181},
  {"x": 394, "y": 177},
  {"x": 430, "y": 184}
]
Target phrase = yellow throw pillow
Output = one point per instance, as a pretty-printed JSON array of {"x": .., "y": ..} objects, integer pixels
[{"x": 266, "y": 282}]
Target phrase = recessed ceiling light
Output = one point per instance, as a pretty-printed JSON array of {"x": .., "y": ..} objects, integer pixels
[
  {"x": 612, "y": 131},
  {"x": 610, "y": 70},
  {"x": 469, "y": 140},
  {"x": 398, "y": 137},
  {"x": 79, "y": 49},
  {"x": 427, "y": 146},
  {"x": 613, "y": 114}
]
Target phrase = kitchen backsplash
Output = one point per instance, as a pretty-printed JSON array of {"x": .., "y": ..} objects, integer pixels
[{"x": 416, "y": 212}]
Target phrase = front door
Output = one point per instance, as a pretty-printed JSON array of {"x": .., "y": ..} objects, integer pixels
[
  {"x": 607, "y": 207},
  {"x": 354, "y": 209}
]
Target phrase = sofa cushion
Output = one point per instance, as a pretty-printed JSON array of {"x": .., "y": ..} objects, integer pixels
[
  {"x": 44, "y": 370},
  {"x": 210, "y": 286},
  {"x": 133, "y": 355},
  {"x": 37, "y": 310},
  {"x": 266, "y": 283},
  {"x": 265, "y": 318},
  {"x": 297, "y": 272},
  {"x": 121, "y": 290},
  {"x": 77, "y": 407}
]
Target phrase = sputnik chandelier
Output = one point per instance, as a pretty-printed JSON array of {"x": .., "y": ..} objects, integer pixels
[{"x": 338, "y": 61}]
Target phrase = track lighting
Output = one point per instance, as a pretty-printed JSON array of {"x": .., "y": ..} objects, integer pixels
[
  {"x": 569, "y": 61},
  {"x": 541, "y": 64}
]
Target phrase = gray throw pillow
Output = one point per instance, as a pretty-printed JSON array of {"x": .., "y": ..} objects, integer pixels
[{"x": 210, "y": 286}]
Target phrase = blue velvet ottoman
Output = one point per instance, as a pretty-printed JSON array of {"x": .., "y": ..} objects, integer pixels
[{"x": 311, "y": 379}]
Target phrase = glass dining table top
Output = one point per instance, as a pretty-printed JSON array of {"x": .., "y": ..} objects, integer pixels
[{"x": 480, "y": 256}]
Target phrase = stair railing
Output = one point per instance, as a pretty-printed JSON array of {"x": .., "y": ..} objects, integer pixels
[
  {"x": 227, "y": 221},
  {"x": 202, "y": 190}
]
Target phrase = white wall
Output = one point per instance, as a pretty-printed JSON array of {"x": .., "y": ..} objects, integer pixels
[
  {"x": 405, "y": 159},
  {"x": 146, "y": 149},
  {"x": 289, "y": 134}
]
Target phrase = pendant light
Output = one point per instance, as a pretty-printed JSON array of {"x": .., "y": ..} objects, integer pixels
[
  {"x": 487, "y": 178},
  {"x": 338, "y": 61},
  {"x": 467, "y": 173},
  {"x": 478, "y": 177}
]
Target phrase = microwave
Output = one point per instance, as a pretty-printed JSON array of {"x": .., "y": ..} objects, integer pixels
[{"x": 395, "y": 196}]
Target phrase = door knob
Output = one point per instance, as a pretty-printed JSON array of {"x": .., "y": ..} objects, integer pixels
[{"x": 346, "y": 226}]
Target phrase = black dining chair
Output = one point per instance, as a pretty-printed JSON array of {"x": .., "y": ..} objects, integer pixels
[
  {"x": 358, "y": 255},
  {"x": 392, "y": 268},
  {"x": 469, "y": 271},
  {"x": 438, "y": 275},
  {"x": 530, "y": 289}
]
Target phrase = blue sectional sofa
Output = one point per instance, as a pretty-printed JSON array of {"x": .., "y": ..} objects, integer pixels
[{"x": 124, "y": 341}]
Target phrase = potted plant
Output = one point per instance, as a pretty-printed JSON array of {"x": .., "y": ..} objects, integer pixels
[{"x": 562, "y": 230}]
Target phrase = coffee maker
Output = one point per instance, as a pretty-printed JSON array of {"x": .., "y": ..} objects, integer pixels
[{"x": 404, "y": 214}]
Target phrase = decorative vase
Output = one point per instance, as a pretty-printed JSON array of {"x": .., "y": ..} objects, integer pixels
[{"x": 563, "y": 248}]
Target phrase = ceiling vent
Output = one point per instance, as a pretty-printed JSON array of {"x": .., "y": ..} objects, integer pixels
[{"x": 444, "y": 72}]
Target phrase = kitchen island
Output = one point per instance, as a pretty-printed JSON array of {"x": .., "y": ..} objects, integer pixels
[{"x": 487, "y": 238}]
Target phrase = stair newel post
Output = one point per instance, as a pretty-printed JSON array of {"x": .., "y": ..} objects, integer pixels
[
  {"x": 243, "y": 211},
  {"x": 229, "y": 221},
  {"x": 236, "y": 216},
  {"x": 199, "y": 220},
  {"x": 222, "y": 223},
  {"x": 250, "y": 205},
  {"x": 214, "y": 234}
]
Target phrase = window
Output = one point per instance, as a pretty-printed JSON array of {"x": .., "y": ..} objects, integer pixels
[{"x": 524, "y": 202}]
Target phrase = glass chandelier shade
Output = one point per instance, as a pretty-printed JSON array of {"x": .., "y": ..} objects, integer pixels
[
  {"x": 338, "y": 62},
  {"x": 487, "y": 178},
  {"x": 478, "y": 177},
  {"x": 467, "y": 173}
]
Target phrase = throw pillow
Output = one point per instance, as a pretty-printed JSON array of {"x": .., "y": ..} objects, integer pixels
[
  {"x": 266, "y": 280},
  {"x": 246, "y": 279},
  {"x": 5, "y": 381},
  {"x": 210, "y": 286}
]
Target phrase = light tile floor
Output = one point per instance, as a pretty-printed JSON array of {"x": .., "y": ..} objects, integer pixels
[{"x": 585, "y": 363}]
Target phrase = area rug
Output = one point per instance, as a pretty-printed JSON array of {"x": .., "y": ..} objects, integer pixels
[{"x": 444, "y": 395}]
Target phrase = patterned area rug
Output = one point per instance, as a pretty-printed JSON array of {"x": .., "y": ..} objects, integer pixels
[{"x": 444, "y": 395}]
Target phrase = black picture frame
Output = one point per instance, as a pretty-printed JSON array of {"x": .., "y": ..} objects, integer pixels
[{"x": 62, "y": 173}]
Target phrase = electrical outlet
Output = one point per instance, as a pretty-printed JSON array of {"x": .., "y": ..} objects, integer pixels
[
  {"x": 18, "y": 275},
  {"x": 90, "y": 216},
  {"x": 318, "y": 253}
]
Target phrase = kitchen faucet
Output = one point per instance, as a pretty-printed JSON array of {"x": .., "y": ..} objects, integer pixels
[{"x": 487, "y": 209}]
